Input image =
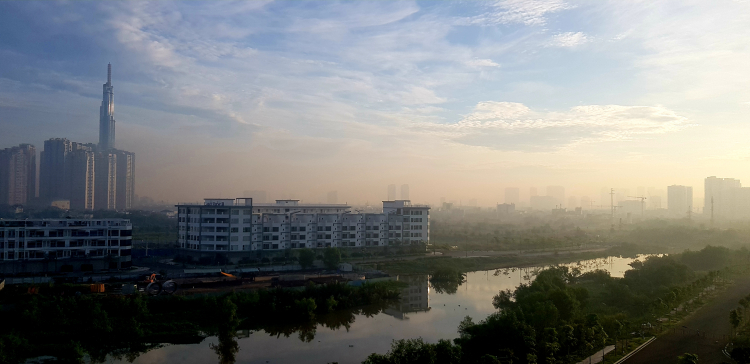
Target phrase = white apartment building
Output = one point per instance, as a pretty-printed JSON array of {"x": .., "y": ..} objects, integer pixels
[
  {"x": 66, "y": 239},
  {"x": 239, "y": 225}
]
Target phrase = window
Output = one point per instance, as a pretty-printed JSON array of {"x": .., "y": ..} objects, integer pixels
[
  {"x": 245, "y": 221},
  {"x": 265, "y": 229},
  {"x": 320, "y": 236},
  {"x": 328, "y": 236},
  {"x": 302, "y": 228},
  {"x": 294, "y": 228},
  {"x": 234, "y": 230},
  {"x": 266, "y": 237},
  {"x": 275, "y": 229},
  {"x": 235, "y": 221},
  {"x": 352, "y": 228},
  {"x": 328, "y": 228},
  {"x": 320, "y": 228},
  {"x": 247, "y": 212},
  {"x": 235, "y": 212},
  {"x": 294, "y": 237},
  {"x": 245, "y": 238},
  {"x": 275, "y": 246},
  {"x": 245, "y": 229},
  {"x": 275, "y": 237}
]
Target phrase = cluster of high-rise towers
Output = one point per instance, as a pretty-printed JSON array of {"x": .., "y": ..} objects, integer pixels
[{"x": 80, "y": 176}]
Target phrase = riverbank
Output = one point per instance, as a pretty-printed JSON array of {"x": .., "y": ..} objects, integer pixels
[{"x": 427, "y": 265}]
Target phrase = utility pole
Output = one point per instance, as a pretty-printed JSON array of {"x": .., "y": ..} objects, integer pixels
[{"x": 612, "y": 207}]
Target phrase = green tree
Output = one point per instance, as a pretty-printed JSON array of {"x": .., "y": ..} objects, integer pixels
[
  {"x": 735, "y": 317},
  {"x": 687, "y": 358},
  {"x": 306, "y": 258},
  {"x": 332, "y": 258}
]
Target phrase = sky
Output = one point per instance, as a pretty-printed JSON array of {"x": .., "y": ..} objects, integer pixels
[{"x": 457, "y": 99}]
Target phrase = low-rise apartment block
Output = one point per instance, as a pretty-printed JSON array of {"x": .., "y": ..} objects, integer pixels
[
  {"x": 100, "y": 243},
  {"x": 239, "y": 225}
]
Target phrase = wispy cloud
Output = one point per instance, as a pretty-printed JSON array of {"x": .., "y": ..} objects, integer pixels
[
  {"x": 568, "y": 40},
  {"x": 527, "y": 12},
  {"x": 513, "y": 126}
]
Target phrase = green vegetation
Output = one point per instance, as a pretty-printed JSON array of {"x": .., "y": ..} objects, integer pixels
[
  {"x": 738, "y": 318},
  {"x": 331, "y": 258},
  {"x": 60, "y": 323},
  {"x": 306, "y": 258}
]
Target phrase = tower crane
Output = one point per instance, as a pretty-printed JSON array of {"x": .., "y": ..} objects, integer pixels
[{"x": 642, "y": 201}]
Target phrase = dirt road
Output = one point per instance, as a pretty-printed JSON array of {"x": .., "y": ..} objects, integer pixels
[{"x": 704, "y": 333}]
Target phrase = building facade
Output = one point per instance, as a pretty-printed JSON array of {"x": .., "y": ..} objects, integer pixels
[
  {"x": 679, "y": 200},
  {"x": 79, "y": 240},
  {"x": 52, "y": 169},
  {"x": 18, "y": 175},
  {"x": 235, "y": 225}
]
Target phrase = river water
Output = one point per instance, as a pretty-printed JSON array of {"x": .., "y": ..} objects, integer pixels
[{"x": 422, "y": 312}]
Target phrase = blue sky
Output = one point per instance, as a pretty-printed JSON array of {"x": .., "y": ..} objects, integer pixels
[{"x": 458, "y": 99}]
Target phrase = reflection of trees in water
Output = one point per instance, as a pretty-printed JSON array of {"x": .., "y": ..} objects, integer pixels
[
  {"x": 306, "y": 330},
  {"x": 227, "y": 347}
]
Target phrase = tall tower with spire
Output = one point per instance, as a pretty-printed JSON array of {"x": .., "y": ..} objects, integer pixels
[{"x": 107, "y": 115}]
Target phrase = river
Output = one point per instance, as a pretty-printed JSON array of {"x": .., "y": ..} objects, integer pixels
[{"x": 422, "y": 312}]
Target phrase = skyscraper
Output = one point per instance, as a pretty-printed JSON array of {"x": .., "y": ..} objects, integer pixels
[
  {"x": 125, "y": 184},
  {"x": 107, "y": 114},
  {"x": 721, "y": 191},
  {"x": 52, "y": 170},
  {"x": 679, "y": 200},
  {"x": 79, "y": 176},
  {"x": 18, "y": 175},
  {"x": 512, "y": 195},
  {"x": 404, "y": 192},
  {"x": 391, "y": 192},
  {"x": 558, "y": 193}
]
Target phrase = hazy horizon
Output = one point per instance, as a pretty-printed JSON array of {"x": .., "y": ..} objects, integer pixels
[{"x": 457, "y": 100}]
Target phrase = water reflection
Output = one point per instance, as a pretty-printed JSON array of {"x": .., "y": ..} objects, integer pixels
[
  {"x": 415, "y": 298},
  {"x": 350, "y": 336}
]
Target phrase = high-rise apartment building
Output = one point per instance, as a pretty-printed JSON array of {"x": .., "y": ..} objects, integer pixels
[
  {"x": 391, "y": 192},
  {"x": 720, "y": 191},
  {"x": 79, "y": 176},
  {"x": 18, "y": 175},
  {"x": 125, "y": 180},
  {"x": 107, "y": 114},
  {"x": 52, "y": 170},
  {"x": 512, "y": 195},
  {"x": 404, "y": 192},
  {"x": 105, "y": 180},
  {"x": 679, "y": 200},
  {"x": 558, "y": 193}
]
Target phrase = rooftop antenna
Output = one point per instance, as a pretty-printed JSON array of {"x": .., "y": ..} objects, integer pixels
[
  {"x": 109, "y": 73},
  {"x": 612, "y": 203}
]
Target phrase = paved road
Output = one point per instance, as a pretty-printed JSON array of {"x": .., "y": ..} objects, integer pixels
[{"x": 713, "y": 323}]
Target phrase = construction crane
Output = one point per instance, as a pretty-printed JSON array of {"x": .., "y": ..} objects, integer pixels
[{"x": 642, "y": 201}]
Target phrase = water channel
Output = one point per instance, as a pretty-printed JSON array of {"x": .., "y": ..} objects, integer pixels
[{"x": 422, "y": 312}]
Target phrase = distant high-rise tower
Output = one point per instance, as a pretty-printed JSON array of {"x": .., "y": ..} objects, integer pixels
[
  {"x": 107, "y": 114},
  {"x": 52, "y": 170},
  {"x": 404, "y": 192},
  {"x": 333, "y": 197},
  {"x": 558, "y": 193},
  {"x": 18, "y": 175},
  {"x": 679, "y": 200},
  {"x": 391, "y": 192},
  {"x": 512, "y": 195}
]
